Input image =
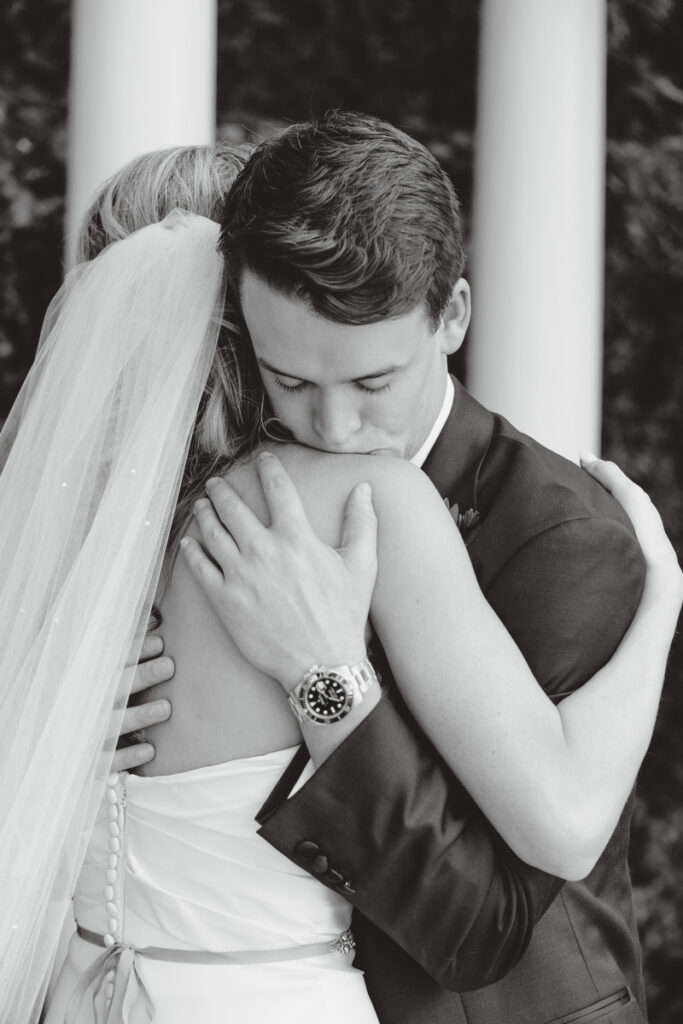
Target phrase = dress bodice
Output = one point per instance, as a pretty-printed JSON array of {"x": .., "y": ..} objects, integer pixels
[
  {"x": 187, "y": 869},
  {"x": 175, "y": 862}
]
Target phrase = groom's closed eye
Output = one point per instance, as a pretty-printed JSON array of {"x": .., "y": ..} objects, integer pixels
[
  {"x": 374, "y": 384},
  {"x": 292, "y": 388},
  {"x": 374, "y": 388}
]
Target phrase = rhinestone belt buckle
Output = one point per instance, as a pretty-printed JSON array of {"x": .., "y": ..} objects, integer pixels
[{"x": 344, "y": 944}]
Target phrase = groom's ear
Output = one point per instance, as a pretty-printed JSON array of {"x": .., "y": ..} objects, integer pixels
[{"x": 456, "y": 318}]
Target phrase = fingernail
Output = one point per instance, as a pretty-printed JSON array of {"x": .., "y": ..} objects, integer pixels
[
  {"x": 212, "y": 482},
  {"x": 365, "y": 491},
  {"x": 262, "y": 456},
  {"x": 587, "y": 457},
  {"x": 158, "y": 711},
  {"x": 201, "y": 503},
  {"x": 184, "y": 541},
  {"x": 147, "y": 750},
  {"x": 155, "y": 645},
  {"x": 163, "y": 668}
]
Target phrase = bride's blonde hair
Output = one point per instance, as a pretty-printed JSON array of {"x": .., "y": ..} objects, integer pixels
[{"x": 147, "y": 189}]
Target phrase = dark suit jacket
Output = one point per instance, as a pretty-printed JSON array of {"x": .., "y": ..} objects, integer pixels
[{"x": 451, "y": 926}]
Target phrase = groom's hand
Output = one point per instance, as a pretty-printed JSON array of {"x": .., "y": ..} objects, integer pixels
[
  {"x": 287, "y": 599},
  {"x": 133, "y": 749}
]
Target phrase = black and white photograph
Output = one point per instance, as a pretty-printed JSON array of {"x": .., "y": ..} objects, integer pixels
[{"x": 341, "y": 510}]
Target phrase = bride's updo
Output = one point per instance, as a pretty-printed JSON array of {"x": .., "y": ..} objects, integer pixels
[{"x": 147, "y": 189}]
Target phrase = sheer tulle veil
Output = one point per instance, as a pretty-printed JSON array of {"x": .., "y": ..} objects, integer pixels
[{"x": 92, "y": 457}]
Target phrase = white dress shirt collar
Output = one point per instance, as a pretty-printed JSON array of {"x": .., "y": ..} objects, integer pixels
[{"x": 418, "y": 459}]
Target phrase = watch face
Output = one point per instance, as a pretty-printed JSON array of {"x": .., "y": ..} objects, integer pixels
[{"x": 326, "y": 698}]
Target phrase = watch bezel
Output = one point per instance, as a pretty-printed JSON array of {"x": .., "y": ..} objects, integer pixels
[{"x": 309, "y": 713}]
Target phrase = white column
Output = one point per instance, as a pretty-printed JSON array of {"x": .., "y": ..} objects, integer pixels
[
  {"x": 536, "y": 349},
  {"x": 143, "y": 76}
]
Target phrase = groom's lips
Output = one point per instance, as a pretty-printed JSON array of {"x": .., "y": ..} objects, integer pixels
[
  {"x": 357, "y": 451},
  {"x": 350, "y": 451}
]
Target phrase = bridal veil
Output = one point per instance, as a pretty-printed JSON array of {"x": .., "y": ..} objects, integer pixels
[{"x": 92, "y": 457}]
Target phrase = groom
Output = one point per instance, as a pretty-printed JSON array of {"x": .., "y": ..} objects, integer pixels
[{"x": 342, "y": 239}]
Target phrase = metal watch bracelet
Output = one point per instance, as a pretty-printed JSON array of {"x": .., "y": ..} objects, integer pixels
[{"x": 327, "y": 694}]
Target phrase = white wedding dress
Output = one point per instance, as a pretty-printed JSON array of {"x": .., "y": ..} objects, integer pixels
[{"x": 175, "y": 864}]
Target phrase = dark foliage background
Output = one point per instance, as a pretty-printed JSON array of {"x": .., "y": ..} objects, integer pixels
[{"x": 414, "y": 62}]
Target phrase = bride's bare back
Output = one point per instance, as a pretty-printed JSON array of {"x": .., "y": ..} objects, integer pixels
[{"x": 223, "y": 708}]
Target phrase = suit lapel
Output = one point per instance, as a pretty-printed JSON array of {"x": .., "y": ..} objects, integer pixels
[{"x": 455, "y": 461}]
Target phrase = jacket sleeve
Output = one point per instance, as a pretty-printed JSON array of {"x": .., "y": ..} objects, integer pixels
[{"x": 385, "y": 823}]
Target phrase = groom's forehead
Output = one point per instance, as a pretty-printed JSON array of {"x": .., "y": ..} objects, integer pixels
[
  {"x": 286, "y": 331},
  {"x": 283, "y": 367},
  {"x": 325, "y": 358}
]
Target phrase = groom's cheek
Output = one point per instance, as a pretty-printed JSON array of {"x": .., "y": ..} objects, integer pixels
[{"x": 295, "y": 420}]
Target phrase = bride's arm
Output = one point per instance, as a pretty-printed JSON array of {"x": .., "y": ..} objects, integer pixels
[{"x": 552, "y": 779}]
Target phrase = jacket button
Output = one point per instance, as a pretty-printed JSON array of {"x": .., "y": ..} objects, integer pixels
[
  {"x": 308, "y": 849},
  {"x": 346, "y": 888},
  {"x": 319, "y": 864}
]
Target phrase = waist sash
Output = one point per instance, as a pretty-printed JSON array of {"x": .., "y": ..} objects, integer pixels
[{"x": 117, "y": 967}]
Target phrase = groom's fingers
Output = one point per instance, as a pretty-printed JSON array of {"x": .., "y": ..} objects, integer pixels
[
  {"x": 141, "y": 715},
  {"x": 215, "y": 538},
  {"x": 131, "y": 757},
  {"x": 244, "y": 527},
  {"x": 209, "y": 578},
  {"x": 152, "y": 647},
  {"x": 359, "y": 530},
  {"x": 133, "y": 748},
  {"x": 287, "y": 513},
  {"x": 149, "y": 673}
]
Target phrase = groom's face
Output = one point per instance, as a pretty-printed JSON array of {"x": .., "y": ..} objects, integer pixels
[{"x": 369, "y": 388}]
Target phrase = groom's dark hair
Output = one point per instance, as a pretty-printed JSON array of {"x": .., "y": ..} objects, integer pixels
[{"x": 350, "y": 214}]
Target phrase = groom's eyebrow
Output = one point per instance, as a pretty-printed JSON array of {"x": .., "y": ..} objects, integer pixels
[
  {"x": 295, "y": 376},
  {"x": 281, "y": 373}
]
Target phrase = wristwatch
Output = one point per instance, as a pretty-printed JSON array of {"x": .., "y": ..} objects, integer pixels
[{"x": 327, "y": 695}]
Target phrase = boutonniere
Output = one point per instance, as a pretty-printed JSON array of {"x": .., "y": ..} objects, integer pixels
[{"x": 465, "y": 521}]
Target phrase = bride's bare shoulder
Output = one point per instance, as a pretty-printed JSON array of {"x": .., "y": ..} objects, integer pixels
[
  {"x": 309, "y": 467},
  {"x": 324, "y": 482}
]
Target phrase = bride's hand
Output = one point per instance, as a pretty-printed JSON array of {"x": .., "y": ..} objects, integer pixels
[{"x": 664, "y": 579}]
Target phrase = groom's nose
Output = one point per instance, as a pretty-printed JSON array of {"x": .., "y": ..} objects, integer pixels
[{"x": 336, "y": 417}]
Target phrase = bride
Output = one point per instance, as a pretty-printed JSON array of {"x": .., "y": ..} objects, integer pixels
[{"x": 140, "y": 393}]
